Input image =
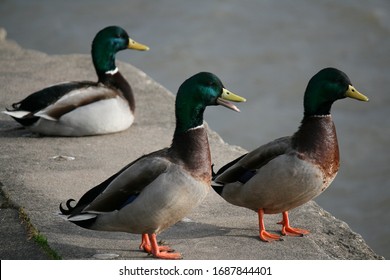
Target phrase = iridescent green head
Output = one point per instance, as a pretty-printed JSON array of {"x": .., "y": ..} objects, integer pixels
[
  {"x": 195, "y": 94},
  {"x": 326, "y": 87},
  {"x": 107, "y": 43}
]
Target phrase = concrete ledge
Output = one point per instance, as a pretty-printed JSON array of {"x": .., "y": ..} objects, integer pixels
[{"x": 34, "y": 179}]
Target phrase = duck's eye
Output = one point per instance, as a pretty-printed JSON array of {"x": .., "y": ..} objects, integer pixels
[{"x": 120, "y": 36}]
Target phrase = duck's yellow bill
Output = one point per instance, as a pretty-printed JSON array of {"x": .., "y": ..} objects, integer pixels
[
  {"x": 353, "y": 93},
  {"x": 227, "y": 96},
  {"x": 137, "y": 46}
]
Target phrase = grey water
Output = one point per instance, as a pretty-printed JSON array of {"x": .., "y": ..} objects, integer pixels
[{"x": 264, "y": 50}]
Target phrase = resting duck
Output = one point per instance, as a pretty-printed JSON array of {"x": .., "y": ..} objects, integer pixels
[
  {"x": 84, "y": 108},
  {"x": 290, "y": 171},
  {"x": 159, "y": 189}
]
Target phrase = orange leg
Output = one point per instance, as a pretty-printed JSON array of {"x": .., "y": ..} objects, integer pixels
[
  {"x": 264, "y": 235},
  {"x": 288, "y": 230},
  {"x": 145, "y": 243}
]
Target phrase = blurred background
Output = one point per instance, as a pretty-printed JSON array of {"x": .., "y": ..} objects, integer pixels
[{"x": 264, "y": 50}]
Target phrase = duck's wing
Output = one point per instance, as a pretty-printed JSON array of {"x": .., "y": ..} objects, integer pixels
[
  {"x": 47, "y": 96},
  {"x": 74, "y": 99},
  {"x": 53, "y": 102},
  {"x": 123, "y": 187},
  {"x": 244, "y": 167}
]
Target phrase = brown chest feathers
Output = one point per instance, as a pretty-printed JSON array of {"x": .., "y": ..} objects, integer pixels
[
  {"x": 316, "y": 141},
  {"x": 117, "y": 81},
  {"x": 192, "y": 150}
]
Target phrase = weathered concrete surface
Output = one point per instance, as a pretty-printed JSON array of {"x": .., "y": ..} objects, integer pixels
[{"x": 35, "y": 180}]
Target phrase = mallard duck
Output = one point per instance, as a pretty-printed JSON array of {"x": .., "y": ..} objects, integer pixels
[
  {"x": 290, "y": 171},
  {"x": 84, "y": 108},
  {"x": 159, "y": 189}
]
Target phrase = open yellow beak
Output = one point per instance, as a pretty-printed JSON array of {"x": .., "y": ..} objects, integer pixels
[
  {"x": 227, "y": 96},
  {"x": 353, "y": 93},
  {"x": 137, "y": 46}
]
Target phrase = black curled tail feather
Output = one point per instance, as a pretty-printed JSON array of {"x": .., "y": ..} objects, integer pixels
[
  {"x": 74, "y": 211},
  {"x": 86, "y": 199},
  {"x": 15, "y": 106},
  {"x": 70, "y": 207}
]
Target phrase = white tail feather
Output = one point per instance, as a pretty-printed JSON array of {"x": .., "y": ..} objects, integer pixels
[
  {"x": 82, "y": 217},
  {"x": 17, "y": 114}
]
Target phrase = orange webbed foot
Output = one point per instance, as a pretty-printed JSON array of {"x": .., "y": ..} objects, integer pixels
[
  {"x": 263, "y": 234},
  {"x": 294, "y": 231},
  {"x": 149, "y": 244},
  {"x": 288, "y": 230},
  {"x": 268, "y": 237},
  {"x": 167, "y": 255}
]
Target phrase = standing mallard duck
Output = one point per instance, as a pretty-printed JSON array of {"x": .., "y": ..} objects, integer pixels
[
  {"x": 159, "y": 189},
  {"x": 290, "y": 171},
  {"x": 85, "y": 108}
]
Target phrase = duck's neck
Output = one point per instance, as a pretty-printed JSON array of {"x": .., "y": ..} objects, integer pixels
[
  {"x": 103, "y": 58},
  {"x": 316, "y": 141},
  {"x": 113, "y": 78},
  {"x": 108, "y": 74},
  {"x": 192, "y": 149},
  {"x": 188, "y": 116}
]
